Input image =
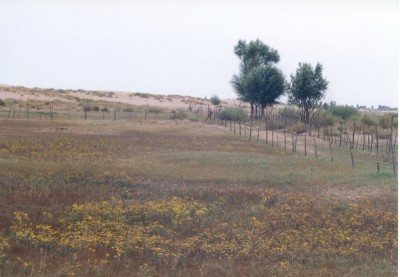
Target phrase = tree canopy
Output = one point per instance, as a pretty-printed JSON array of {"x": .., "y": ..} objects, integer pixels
[
  {"x": 259, "y": 82},
  {"x": 265, "y": 84},
  {"x": 307, "y": 87}
]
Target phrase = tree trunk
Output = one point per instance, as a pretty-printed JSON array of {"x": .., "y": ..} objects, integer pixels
[{"x": 306, "y": 116}]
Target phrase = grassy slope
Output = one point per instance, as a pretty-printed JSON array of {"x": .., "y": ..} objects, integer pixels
[{"x": 46, "y": 166}]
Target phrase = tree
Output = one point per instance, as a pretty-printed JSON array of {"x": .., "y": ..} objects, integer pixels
[
  {"x": 266, "y": 84},
  {"x": 253, "y": 55},
  {"x": 307, "y": 87}
]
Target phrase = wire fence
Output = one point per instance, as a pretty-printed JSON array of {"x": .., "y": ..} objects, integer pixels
[{"x": 340, "y": 145}]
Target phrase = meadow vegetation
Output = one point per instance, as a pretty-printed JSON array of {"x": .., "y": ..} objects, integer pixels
[
  {"x": 179, "y": 197},
  {"x": 110, "y": 189}
]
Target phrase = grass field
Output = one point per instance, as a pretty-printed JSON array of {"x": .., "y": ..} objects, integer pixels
[{"x": 179, "y": 198}]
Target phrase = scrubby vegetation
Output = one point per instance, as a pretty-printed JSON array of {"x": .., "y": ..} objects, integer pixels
[{"x": 233, "y": 114}]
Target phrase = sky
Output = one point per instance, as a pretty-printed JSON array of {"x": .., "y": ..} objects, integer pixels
[{"x": 186, "y": 47}]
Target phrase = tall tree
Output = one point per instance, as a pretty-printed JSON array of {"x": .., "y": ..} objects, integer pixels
[
  {"x": 307, "y": 87},
  {"x": 266, "y": 84},
  {"x": 252, "y": 55}
]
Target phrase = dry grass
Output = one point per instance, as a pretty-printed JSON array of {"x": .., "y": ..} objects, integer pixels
[{"x": 180, "y": 198}]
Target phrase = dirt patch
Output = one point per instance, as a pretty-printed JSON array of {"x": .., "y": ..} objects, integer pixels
[{"x": 356, "y": 194}]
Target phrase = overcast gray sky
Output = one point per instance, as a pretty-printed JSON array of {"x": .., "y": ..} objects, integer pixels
[{"x": 186, "y": 47}]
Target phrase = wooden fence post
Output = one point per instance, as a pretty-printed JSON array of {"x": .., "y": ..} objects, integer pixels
[
  {"x": 315, "y": 149},
  {"x": 277, "y": 139},
  {"x": 20, "y": 104},
  {"x": 284, "y": 137},
  {"x": 352, "y": 158},
  {"x": 251, "y": 126},
  {"x": 292, "y": 141},
  {"x": 272, "y": 133},
  {"x": 9, "y": 112},
  {"x": 391, "y": 147},
  {"x": 363, "y": 139},
  {"x": 377, "y": 139},
  {"x": 27, "y": 107},
  {"x": 305, "y": 143}
]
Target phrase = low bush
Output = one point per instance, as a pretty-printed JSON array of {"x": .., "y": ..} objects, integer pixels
[
  {"x": 299, "y": 128},
  {"x": 127, "y": 109},
  {"x": 179, "y": 114},
  {"x": 215, "y": 100},
  {"x": 234, "y": 114},
  {"x": 343, "y": 112},
  {"x": 368, "y": 120}
]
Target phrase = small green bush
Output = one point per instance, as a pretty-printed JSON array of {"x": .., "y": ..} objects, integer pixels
[
  {"x": 368, "y": 120},
  {"x": 299, "y": 128},
  {"x": 343, "y": 112},
  {"x": 2, "y": 103},
  {"x": 215, "y": 100},
  {"x": 234, "y": 114},
  {"x": 179, "y": 114},
  {"x": 324, "y": 119},
  {"x": 385, "y": 121}
]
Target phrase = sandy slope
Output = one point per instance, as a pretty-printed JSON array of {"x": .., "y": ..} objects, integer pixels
[{"x": 163, "y": 101}]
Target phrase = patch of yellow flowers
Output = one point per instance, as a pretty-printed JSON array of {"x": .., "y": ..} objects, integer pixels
[
  {"x": 4, "y": 247},
  {"x": 277, "y": 228}
]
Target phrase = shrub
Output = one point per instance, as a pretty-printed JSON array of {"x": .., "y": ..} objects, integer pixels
[
  {"x": 236, "y": 114},
  {"x": 86, "y": 108},
  {"x": 142, "y": 95},
  {"x": 96, "y": 108},
  {"x": 154, "y": 110},
  {"x": 324, "y": 119},
  {"x": 128, "y": 109},
  {"x": 385, "y": 121},
  {"x": 343, "y": 112},
  {"x": 368, "y": 120},
  {"x": 105, "y": 109},
  {"x": 179, "y": 114},
  {"x": 299, "y": 128},
  {"x": 2, "y": 103},
  {"x": 215, "y": 100}
]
